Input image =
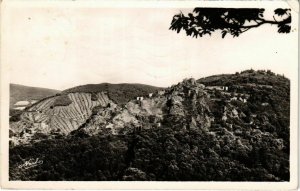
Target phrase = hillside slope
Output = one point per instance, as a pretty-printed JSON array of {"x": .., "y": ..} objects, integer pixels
[
  {"x": 70, "y": 109},
  {"x": 231, "y": 127},
  {"x": 51, "y": 116}
]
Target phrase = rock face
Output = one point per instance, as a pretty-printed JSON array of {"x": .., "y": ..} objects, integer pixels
[
  {"x": 187, "y": 105},
  {"x": 181, "y": 106},
  {"x": 135, "y": 115}
]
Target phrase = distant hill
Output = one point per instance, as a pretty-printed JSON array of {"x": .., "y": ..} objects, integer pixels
[
  {"x": 119, "y": 93},
  {"x": 21, "y": 93}
]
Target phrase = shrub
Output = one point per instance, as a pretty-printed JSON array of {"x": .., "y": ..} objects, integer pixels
[
  {"x": 94, "y": 96},
  {"x": 62, "y": 100}
]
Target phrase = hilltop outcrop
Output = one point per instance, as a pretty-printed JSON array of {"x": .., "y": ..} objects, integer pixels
[{"x": 184, "y": 104}]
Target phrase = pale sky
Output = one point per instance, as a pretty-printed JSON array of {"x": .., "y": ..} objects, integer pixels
[{"x": 60, "y": 48}]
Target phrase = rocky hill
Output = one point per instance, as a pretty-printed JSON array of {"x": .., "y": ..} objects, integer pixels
[
  {"x": 183, "y": 104},
  {"x": 222, "y": 128}
]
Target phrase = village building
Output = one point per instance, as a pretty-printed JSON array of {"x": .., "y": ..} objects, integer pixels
[
  {"x": 139, "y": 98},
  {"x": 220, "y": 88}
]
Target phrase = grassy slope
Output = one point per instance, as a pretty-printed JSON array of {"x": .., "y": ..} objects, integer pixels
[{"x": 20, "y": 92}]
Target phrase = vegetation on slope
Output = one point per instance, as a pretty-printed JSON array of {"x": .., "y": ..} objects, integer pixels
[
  {"x": 62, "y": 100},
  {"x": 157, "y": 154},
  {"x": 263, "y": 77},
  {"x": 119, "y": 93},
  {"x": 268, "y": 105}
]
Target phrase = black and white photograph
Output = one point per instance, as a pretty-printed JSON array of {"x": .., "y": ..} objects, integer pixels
[{"x": 128, "y": 93}]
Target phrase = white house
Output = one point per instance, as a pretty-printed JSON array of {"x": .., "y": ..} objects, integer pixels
[
  {"x": 220, "y": 88},
  {"x": 139, "y": 98},
  {"x": 150, "y": 94}
]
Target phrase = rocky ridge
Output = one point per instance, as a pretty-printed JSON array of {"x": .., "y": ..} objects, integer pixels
[{"x": 184, "y": 104}]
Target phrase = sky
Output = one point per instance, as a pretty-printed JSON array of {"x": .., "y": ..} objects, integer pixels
[{"x": 59, "y": 48}]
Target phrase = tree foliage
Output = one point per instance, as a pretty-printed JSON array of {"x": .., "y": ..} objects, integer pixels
[{"x": 233, "y": 21}]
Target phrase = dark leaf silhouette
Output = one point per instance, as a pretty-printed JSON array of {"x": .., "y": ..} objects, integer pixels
[
  {"x": 281, "y": 12},
  {"x": 284, "y": 29},
  {"x": 203, "y": 21},
  {"x": 224, "y": 33}
]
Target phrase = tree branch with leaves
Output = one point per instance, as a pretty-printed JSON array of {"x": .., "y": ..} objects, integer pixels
[{"x": 233, "y": 21}]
